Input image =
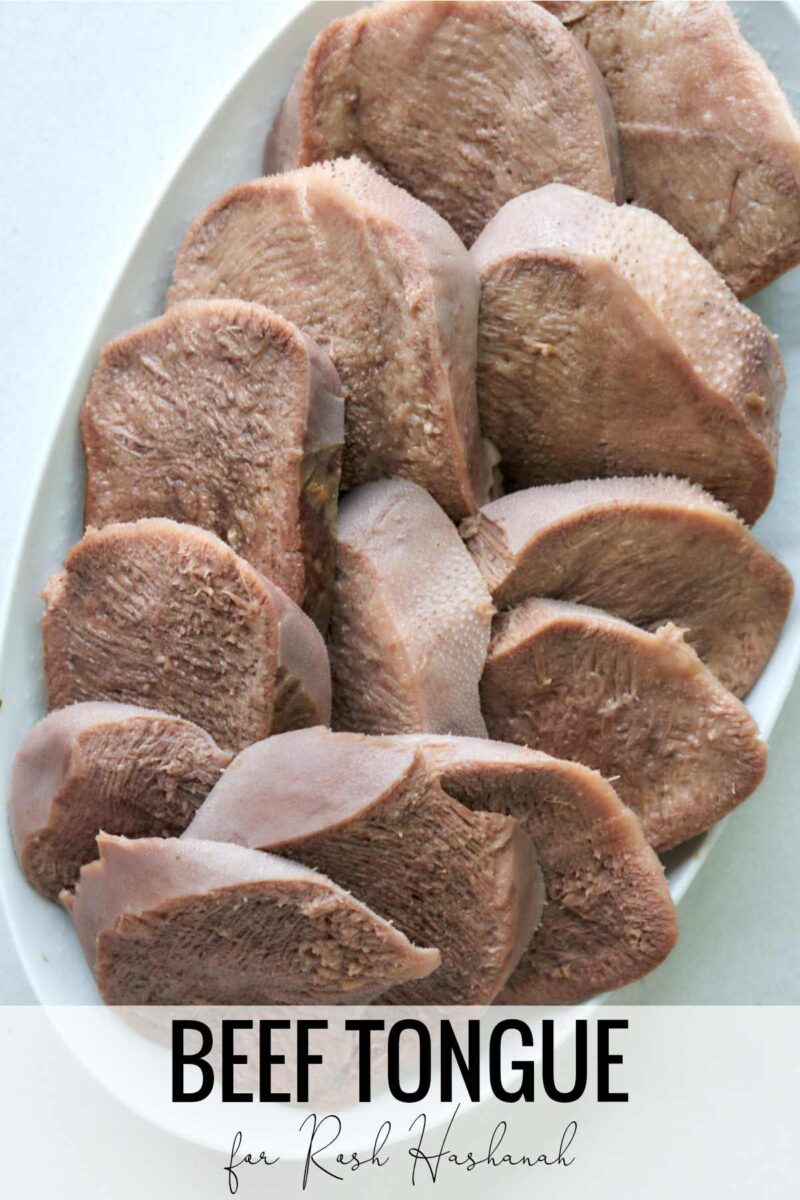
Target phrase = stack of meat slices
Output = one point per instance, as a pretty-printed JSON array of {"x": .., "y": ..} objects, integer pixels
[{"x": 424, "y": 746}]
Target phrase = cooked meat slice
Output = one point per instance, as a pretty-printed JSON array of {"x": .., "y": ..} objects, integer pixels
[
  {"x": 708, "y": 139},
  {"x": 464, "y": 104},
  {"x": 411, "y": 618},
  {"x": 370, "y": 815},
  {"x": 164, "y": 921},
  {"x": 608, "y": 346},
  {"x": 158, "y": 613},
  {"x": 639, "y": 707},
  {"x": 108, "y": 766},
  {"x": 608, "y": 918},
  {"x": 386, "y": 288},
  {"x": 648, "y": 550},
  {"x": 223, "y": 415}
]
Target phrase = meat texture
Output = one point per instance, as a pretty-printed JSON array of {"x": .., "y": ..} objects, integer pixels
[
  {"x": 649, "y": 550},
  {"x": 639, "y": 707},
  {"x": 411, "y": 619},
  {"x": 113, "y": 767},
  {"x": 164, "y": 921},
  {"x": 157, "y": 613},
  {"x": 608, "y": 918},
  {"x": 370, "y": 815},
  {"x": 463, "y": 104},
  {"x": 386, "y": 288},
  {"x": 224, "y": 415},
  {"x": 707, "y": 137},
  {"x": 609, "y": 346}
]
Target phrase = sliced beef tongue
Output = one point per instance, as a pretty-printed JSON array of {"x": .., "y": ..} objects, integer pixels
[
  {"x": 224, "y": 415},
  {"x": 106, "y": 766},
  {"x": 371, "y": 816},
  {"x": 608, "y": 918},
  {"x": 464, "y": 104},
  {"x": 650, "y": 550},
  {"x": 162, "y": 614},
  {"x": 639, "y": 707},
  {"x": 385, "y": 286},
  {"x": 411, "y": 618},
  {"x": 164, "y": 921},
  {"x": 707, "y": 135},
  {"x": 609, "y": 346}
]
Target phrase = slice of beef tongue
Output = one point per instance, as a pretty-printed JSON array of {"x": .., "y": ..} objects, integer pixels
[
  {"x": 639, "y": 707},
  {"x": 371, "y": 816},
  {"x": 384, "y": 285},
  {"x": 609, "y": 346},
  {"x": 223, "y": 415},
  {"x": 162, "y": 614},
  {"x": 411, "y": 617},
  {"x": 608, "y": 917},
  {"x": 96, "y": 766},
  {"x": 167, "y": 921},
  {"x": 650, "y": 550},
  {"x": 464, "y": 104},
  {"x": 707, "y": 134}
]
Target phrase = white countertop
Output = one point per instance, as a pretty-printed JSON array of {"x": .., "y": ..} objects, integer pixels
[{"x": 99, "y": 103}]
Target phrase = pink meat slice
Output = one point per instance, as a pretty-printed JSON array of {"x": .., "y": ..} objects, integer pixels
[
  {"x": 167, "y": 921},
  {"x": 224, "y": 415},
  {"x": 609, "y": 346},
  {"x": 411, "y": 617},
  {"x": 650, "y": 550},
  {"x": 162, "y": 614},
  {"x": 639, "y": 707},
  {"x": 386, "y": 288},
  {"x": 608, "y": 918},
  {"x": 463, "y": 104},
  {"x": 106, "y": 766},
  {"x": 370, "y": 815},
  {"x": 707, "y": 136}
]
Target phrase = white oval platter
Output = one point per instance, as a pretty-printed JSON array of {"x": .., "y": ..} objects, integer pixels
[{"x": 228, "y": 151}]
